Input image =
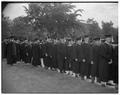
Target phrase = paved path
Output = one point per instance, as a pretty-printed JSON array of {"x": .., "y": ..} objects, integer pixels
[{"x": 23, "y": 78}]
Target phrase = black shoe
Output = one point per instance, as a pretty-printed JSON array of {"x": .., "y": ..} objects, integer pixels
[
  {"x": 116, "y": 87},
  {"x": 55, "y": 69},
  {"x": 98, "y": 80},
  {"x": 45, "y": 68},
  {"x": 11, "y": 64},
  {"x": 82, "y": 78},
  {"x": 61, "y": 72},
  {"x": 109, "y": 84},
  {"x": 52, "y": 69},
  {"x": 103, "y": 85},
  {"x": 76, "y": 76},
  {"x": 35, "y": 65},
  {"x": 88, "y": 77},
  {"x": 92, "y": 81}
]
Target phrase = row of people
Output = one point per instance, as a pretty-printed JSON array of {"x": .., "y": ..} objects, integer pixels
[{"x": 94, "y": 60}]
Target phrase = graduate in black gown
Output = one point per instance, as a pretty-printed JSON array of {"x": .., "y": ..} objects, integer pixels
[
  {"x": 74, "y": 60},
  {"x": 17, "y": 42},
  {"x": 23, "y": 50},
  {"x": 28, "y": 52},
  {"x": 61, "y": 55},
  {"x": 67, "y": 65},
  {"x": 11, "y": 51},
  {"x": 49, "y": 48},
  {"x": 4, "y": 48},
  {"x": 55, "y": 64},
  {"x": 79, "y": 55},
  {"x": 105, "y": 60},
  {"x": 71, "y": 56},
  {"x": 45, "y": 54},
  {"x": 95, "y": 58},
  {"x": 41, "y": 53},
  {"x": 85, "y": 64},
  {"x": 36, "y": 53},
  {"x": 115, "y": 65}
]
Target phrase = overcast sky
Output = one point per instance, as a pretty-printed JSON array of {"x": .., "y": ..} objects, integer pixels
[{"x": 99, "y": 11}]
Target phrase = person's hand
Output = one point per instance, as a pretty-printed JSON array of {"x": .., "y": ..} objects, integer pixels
[
  {"x": 110, "y": 62},
  {"x": 91, "y": 62},
  {"x": 46, "y": 54},
  {"x": 83, "y": 60},
  {"x": 76, "y": 59},
  {"x": 27, "y": 54}
]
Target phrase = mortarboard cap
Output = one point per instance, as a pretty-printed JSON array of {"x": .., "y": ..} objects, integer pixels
[
  {"x": 35, "y": 39},
  {"x": 68, "y": 39},
  {"x": 96, "y": 38},
  {"x": 107, "y": 35},
  {"x": 86, "y": 36},
  {"x": 11, "y": 37},
  {"x": 79, "y": 38}
]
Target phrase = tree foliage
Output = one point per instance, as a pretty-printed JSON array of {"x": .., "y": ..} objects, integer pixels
[
  {"x": 5, "y": 27},
  {"x": 93, "y": 27},
  {"x": 107, "y": 28},
  {"x": 21, "y": 28},
  {"x": 55, "y": 17},
  {"x": 54, "y": 20}
]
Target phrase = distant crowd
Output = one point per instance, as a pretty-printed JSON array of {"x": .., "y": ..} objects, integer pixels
[{"x": 96, "y": 61}]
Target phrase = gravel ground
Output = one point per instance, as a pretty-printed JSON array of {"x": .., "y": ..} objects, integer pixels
[{"x": 23, "y": 78}]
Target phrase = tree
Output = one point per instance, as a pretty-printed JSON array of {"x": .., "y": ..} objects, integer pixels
[
  {"x": 107, "y": 28},
  {"x": 21, "y": 28},
  {"x": 93, "y": 27},
  {"x": 5, "y": 27},
  {"x": 55, "y": 17}
]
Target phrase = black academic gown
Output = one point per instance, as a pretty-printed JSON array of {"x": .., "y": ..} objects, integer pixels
[
  {"x": 54, "y": 54},
  {"x": 79, "y": 56},
  {"x": 28, "y": 53},
  {"x": 45, "y": 54},
  {"x": 68, "y": 60},
  {"x": 95, "y": 58},
  {"x": 71, "y": 56},
  {"x": 105, "y": 56},
  {"x": 41, "y": 50},
  {"x": 26, "y": 47},
  {"x": 17, "y": 52},
  {"x": 74, "y": 63},
  {"x": 66, "y": 64},
  {"x": 23, "y": 52},
  {"x": 50, "y": 54},
  {"x": 86, "y": 66},
  {"x": 11, "y": 53},
  {"x": 61, "y": 56},
  {"x": 115, "y": 64},
  {"x": 111, "y": 66},
  {"x": 4, "y": 47},
  {"x": 36, "y": 54}
]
